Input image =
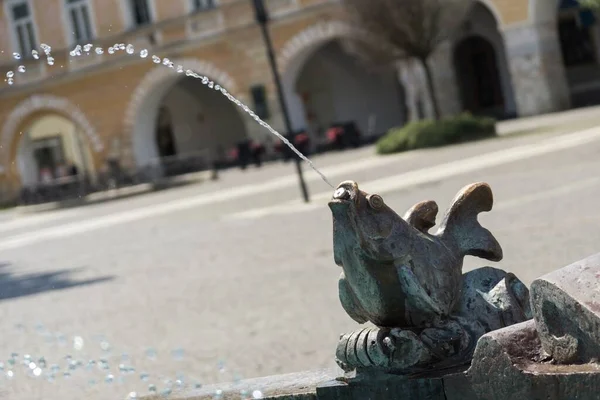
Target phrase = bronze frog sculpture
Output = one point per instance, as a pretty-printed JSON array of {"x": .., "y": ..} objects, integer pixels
[{"x": 409, "y": 283}]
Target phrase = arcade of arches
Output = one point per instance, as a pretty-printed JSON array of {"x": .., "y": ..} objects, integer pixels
[
  {"x": 540, "y": 60},
  {"x": 546, "y": 64}
]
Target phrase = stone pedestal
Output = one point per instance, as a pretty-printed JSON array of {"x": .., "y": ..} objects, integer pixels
[
  {"x": 537, "y": 69},
  {"x": 566, "y": 307},
  {"x": 509, "y": 365}
]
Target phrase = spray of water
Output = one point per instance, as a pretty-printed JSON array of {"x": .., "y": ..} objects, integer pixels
[{"x": 130, "y": 50}]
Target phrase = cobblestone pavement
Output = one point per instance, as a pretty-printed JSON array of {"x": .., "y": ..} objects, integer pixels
[{"x": 167, "y": 275}]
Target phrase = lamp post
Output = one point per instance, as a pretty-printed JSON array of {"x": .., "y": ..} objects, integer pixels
[{"x": 262, "y": 18}]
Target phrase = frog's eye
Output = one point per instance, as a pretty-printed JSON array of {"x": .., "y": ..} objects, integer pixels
[{"x": 375, "y": 201}]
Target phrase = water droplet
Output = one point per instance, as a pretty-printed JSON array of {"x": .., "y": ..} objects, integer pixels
[
  {"x": 144, "y": 376},
  {"x": 35, "y": 54},
  {"x": 189, "y": 72},
  {"x": 47, "y": 49},
  {"x": 152, "y": 388},
  {"x": 66, "y": 374},
  {"x": 10, "y": 374},
  {"x": 37, "y": 371},
  {"x": 197, "y": 385},
  {"x": 21, "y": 69},
  {"x": 32, "y": 365},
  {"x": 130, "y": 49},
  {"x": 73, "y": 365},
  {"x": 133, "y": 396},
  {"x": 87, "y": 47},
  {"x": 218, "y": 394},
  {"x": 111, "y": 50},
  {"x": 217, "y": 87},
  {"x": 257, "y": 394},
  {"x": 16, "y": 56},
  {"x": 42, "y": 362},
  {"x": 50, "y": 376},
  {"x": 211, "y": 84},
  {"x": 205, "y": 80},
  {"x": 78, "y": 343},
  {"x": 180, "y": 69},
  {"x": 104, "y": 345},
  {"x": 156, "y": 59},
  {"x": 110, "y": 378},
  {"x": 166, "y": 392},
  {"x": 50, "y": 60},
  {"x": 54, "y": 368},
  {"x": 10, "y": 74},
  {"x": 166, "y": 61},
  {"x": 10, "y": 81},
  {"x": 99, "y": 50},
  {"x": 121, "y": 46},
  {"x": 144, "y": 53}
]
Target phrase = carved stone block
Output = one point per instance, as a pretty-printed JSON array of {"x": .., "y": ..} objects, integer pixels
[{"x": 566, "y": 308}]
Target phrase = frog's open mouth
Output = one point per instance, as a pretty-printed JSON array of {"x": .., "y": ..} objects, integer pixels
[{"x": 346, "y": 193}]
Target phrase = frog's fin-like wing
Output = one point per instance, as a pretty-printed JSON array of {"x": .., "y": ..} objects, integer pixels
[{"x": 422, "y": 215}]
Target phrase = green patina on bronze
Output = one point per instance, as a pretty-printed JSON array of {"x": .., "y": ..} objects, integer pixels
[{"x": 409, "y": 283}]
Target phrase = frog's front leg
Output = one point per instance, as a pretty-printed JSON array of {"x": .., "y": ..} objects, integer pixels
[
  {"x": 420, "y": 301},
  {"x": 349, "y": 301}
]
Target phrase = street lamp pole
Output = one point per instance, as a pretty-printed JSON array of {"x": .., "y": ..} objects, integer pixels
[{"x": 262, "y": 17}]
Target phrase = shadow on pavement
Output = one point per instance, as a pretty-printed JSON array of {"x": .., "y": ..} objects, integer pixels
[{"x": 14, "y": 286}]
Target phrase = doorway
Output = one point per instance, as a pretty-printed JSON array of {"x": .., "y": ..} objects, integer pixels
[{"x": 479, "y": 78}]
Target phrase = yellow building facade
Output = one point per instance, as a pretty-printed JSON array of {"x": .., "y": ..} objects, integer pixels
[{"x": 507, "y": 60}]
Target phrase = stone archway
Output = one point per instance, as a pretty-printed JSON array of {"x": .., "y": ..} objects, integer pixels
[
  {"x": 142, "y": 110},
  {"x": 43, "y": 103},
  {"x": 301, "y": 50},
  {"x": 481, "y": 64},
  {"x": 479, "y": 79},
  {"x": 309, "y": 39}
]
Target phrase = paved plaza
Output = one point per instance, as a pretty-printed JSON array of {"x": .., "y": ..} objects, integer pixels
[{"x": 235, "y": 278}]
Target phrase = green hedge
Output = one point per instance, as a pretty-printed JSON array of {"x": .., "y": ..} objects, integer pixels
[{"x": 430, "y": 133}]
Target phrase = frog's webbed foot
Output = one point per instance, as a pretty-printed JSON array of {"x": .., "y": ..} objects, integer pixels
[
  {"x": 349, "y": 301},
  {"x": 404, "y": 351}
]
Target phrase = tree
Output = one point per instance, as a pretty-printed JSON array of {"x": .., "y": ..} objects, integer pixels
[
  {"x": 593, "y": 4},
  {"x": 411, "y": 28}
]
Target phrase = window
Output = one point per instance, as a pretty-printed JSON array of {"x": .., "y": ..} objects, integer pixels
[
  {"x": 140, "y": 12},
  {"x": 79, "y": 17},
  {"x": 22, "y": 19},
  {"x": 203, "y": 5}
]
